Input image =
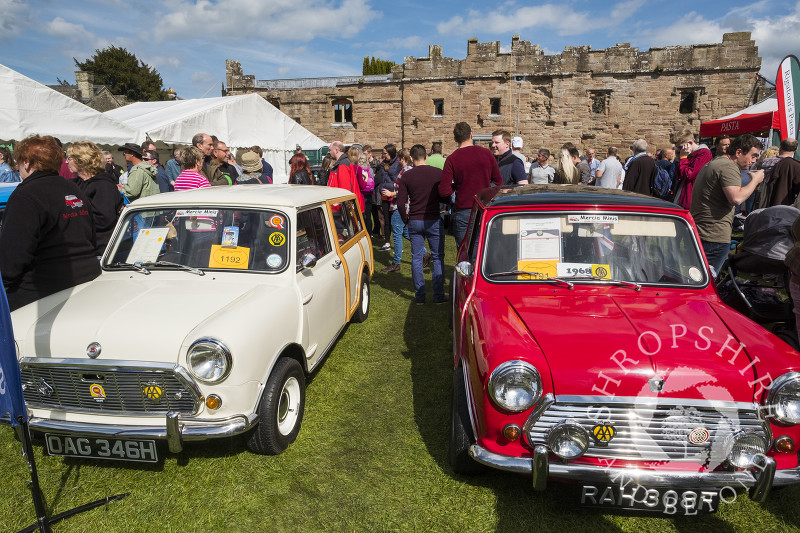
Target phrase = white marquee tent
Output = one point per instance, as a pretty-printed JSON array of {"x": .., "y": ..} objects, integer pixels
[
  {"x": 239, "y": 121},
  {"x": 27, "y": 107}
]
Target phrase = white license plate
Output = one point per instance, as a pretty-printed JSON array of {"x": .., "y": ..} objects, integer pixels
[
  {"x": 101, "y": 448},
  {"x": 657, "y": 499}
]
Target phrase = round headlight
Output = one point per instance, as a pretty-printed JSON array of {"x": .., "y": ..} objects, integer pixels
[
  {"x": 745, "y": 447},
  {"x": 515, "y": 386},
  {"x": 568, "y": 440},
  {"x": 783, "y": 401},
  {"x": 209, "y": 360}
]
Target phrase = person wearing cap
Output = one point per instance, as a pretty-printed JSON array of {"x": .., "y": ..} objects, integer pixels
[
  {"x": 251, "y": 170},
  {"x": 142, "y": 177},
  {"x": 512, "y": 169},
  {"x": 516, "y": 149}
]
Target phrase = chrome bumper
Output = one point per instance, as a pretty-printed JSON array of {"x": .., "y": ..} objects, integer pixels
[
  {"x": 175, "y": 431},
  {"x": 758, "y": 480}
]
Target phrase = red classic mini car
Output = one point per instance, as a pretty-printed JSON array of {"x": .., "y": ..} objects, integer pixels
[{"x": 591, "y": 346}]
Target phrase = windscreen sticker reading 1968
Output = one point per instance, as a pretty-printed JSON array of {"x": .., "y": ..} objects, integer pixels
[{"x": 592, "y": 219}]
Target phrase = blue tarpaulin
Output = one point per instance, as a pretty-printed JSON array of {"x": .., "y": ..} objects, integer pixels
[{"x": 12, "y": 401}]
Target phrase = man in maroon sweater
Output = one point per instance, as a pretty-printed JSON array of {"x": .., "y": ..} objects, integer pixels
[
  {"x": 466, "y": 171},
  {"x": 418, "y": 206}
]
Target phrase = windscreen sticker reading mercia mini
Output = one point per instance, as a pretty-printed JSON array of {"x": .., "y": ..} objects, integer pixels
[{"x": 592, "y": 219}]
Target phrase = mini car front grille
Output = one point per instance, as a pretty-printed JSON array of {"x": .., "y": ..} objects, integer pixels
[
  {"x": 117, "y": 390},
  {"x": 651, "y": 433}
]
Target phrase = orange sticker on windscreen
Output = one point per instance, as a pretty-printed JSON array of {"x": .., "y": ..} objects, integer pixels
[{"x": 229, "y": 257}]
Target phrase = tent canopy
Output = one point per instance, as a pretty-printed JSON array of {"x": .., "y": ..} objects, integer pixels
[
  {"x": 27, "y": 107},
  {"x": 240, "y": 121},
  {"x": 758, "y": 117}
]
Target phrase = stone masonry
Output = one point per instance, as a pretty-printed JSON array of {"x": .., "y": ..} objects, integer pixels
[{"x": 593, "y": 98}]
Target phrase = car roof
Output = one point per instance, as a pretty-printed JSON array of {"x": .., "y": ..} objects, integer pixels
[
  {"x": 567, "y": 194},
  {"x": 255, "y": 195}
]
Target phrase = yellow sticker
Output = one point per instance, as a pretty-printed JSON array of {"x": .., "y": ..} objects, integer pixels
[
  {"x": 229, "y": 257},
  {"x": 277, "y": 239},
  {"x": 538, "y": 269},
  {"x": 601, "y": 271}
]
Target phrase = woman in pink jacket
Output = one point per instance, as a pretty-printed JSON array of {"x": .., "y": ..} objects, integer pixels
[{"x": 693, "y": 157}]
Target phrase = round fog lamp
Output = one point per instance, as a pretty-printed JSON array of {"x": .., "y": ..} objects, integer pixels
[
  {"x": 745, "y": 447},
  {"x": 568, "y": 440},
  {"x": 213, "y": 401}
]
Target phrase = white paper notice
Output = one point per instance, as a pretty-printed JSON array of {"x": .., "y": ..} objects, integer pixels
[
  {"x": 539, "y": 239},
  {"x": 148, "y": 245}
]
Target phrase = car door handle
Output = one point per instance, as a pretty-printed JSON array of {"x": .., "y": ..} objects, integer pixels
[{"x": 337, "y": 263}]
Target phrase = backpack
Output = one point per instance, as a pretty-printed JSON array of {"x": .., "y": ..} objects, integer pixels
[
  {"x": 662, "y": 183},
  {"x": 369, "y": 180}
]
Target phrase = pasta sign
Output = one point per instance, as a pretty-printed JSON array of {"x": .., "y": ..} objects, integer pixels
[{"x": 787, "y": 83}]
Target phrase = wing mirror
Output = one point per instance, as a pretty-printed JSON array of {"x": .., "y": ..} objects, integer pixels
[
  {"x": 308, "y": 260},
  {"x": 464, "y": 269}
]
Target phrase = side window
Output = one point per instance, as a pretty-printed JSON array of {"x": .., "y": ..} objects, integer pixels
[
  {"x": 312, "y": 236},
  {"x": 348, "y": 223},
  {"x": 474, "y": 234}
]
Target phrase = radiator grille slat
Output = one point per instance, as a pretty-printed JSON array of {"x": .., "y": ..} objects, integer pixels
[{"x": 68, "y": 388}]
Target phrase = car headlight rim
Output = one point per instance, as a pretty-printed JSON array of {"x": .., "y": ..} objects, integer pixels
[
  {"x": 205, "y": 369},
  {"x": 521, "y": 377},
  {"x": 781, "y": 406}
]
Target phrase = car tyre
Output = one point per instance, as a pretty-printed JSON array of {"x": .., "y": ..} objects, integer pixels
[
  {"x": 281, "y": 411},
  {"x": 461, "y": 430},
  {"x": 362, "y": 311}
]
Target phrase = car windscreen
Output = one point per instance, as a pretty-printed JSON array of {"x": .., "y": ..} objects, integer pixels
[
  {"x": 595, "y": 247},
  {"x": 201, "y": 238}
]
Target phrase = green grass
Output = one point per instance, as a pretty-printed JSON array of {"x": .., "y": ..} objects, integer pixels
[{"x": 371, "y": 456}]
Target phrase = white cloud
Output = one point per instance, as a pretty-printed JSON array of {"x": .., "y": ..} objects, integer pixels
[
  {"x": 283, "y": 71},
  {"x": 560, "y": 18},
  {"x": 14, "y": 19},
  {"x": 273, "y": 21},
  {"x": 776, "y": 38},
  {"x": 692, "y": 28},
  {"x": 63, "y": 29},
  {"x": 202, "y": 77}
]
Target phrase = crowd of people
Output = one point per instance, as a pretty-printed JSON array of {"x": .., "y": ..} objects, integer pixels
[{"x": 405, "y": 194}]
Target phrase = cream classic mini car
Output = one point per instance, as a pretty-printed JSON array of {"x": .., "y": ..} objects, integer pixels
[{"x": 212, "y": 307}]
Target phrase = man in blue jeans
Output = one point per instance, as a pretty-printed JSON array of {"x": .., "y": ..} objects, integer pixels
[{"x": 418, "y": 206}]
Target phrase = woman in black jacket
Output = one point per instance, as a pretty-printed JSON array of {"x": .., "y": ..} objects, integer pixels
[
  {"x": 300, "y": 173},
  {"x": 86, "y": 162}
]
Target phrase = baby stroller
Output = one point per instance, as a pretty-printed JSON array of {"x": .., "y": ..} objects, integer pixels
[{"x": 755, "y": 280}]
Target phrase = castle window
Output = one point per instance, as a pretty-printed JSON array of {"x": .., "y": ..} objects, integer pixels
[
  {"x": 494, "y": 106},
  {"x": 438, "y": 107},
  {"x": 688, "y": 101},
  {"x": 342, "y": 111},
  {"x": 275, "y": 102},
  {"x": 600, "y": 101}
]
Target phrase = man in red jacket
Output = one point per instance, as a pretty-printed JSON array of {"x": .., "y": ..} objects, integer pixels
[{"x": 341, "y": 174}]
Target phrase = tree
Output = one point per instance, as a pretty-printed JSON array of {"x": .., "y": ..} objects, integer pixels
[
  {"x": 376, "y": 66},
  {"x": 123, "y": 73}
]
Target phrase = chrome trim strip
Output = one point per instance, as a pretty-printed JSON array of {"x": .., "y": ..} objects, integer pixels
[
  {"x": 764, "y": 480},
  {"x": 601, "y": 474},
  {"x": 647, "y": 402},
  {"x": 544, "y": 404},
  {"x": 190, "y": 430}
]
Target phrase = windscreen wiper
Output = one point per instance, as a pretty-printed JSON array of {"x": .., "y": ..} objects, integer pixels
[
  {"x": 176, "y": 265},
  {"x": 532, "y": 276},
  {"x": 629, "y": 284},
  {"x": 137, "y": 266}
]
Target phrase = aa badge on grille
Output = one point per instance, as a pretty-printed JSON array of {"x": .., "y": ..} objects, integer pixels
[
  {"x": 98, "y": 392},
  {"x": 152, "y": 392},
  {"x": 603, "y": 434}
]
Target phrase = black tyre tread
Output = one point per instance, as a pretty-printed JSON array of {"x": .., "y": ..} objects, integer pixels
[
  {"x": 461, "y": 430},
  {"x": 360, "y": 316},
  {"x": 265, "y": 439}
]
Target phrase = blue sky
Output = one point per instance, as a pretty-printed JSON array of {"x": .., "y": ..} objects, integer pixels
[{"x": 187, "y": 41}]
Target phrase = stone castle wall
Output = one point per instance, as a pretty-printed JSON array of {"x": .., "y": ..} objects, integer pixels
[{"x": 593, "y": 98}]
